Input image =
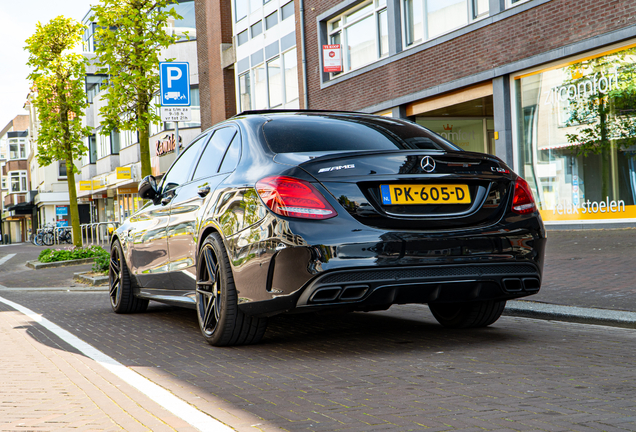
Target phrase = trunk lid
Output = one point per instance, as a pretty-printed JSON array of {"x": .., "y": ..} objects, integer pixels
[{"x": 418, "y": 189}]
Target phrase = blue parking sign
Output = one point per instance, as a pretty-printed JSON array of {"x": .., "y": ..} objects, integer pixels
[{"x": 175, "y": 83}]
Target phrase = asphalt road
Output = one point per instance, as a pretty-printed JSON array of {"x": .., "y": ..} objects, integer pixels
[{"x": 393, "y": 370}]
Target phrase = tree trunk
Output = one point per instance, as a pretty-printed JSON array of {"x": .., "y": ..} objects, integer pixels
[
  {"x": 144, "y": 147},
  {"x": 73, "y": 207}
]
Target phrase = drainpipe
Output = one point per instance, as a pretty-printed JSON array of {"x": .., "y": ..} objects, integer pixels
[{"x": 302, "y": 52}]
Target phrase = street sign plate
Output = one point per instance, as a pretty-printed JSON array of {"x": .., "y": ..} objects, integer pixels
[
  {"x": 176, "y": 114},
  {"x": 175, "y": 83}
]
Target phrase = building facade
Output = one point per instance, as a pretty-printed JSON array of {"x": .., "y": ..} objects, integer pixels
[
  {"x": 17, "y": 198},
  {"x": 546, "y": 85},
  {"x": 111, "y": 170}
]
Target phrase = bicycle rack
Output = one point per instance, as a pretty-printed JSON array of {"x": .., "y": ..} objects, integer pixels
[{"x": 98, "y": 234}]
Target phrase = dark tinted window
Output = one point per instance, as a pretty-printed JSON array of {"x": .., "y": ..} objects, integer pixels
[
  {"x": 214, "y": 152},
  {"x": 232, "y": 155},
  {"x": 180, "y": 170},
  {"x": 307, "y": 133}
]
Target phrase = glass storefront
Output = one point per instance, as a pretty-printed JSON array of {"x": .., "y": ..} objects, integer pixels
[{"x": 576, "y": 135}]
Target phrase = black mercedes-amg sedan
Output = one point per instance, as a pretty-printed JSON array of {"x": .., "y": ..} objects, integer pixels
[{"x": 274, "y": 212}]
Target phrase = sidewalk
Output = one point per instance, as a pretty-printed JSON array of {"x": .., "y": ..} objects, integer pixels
[{"x": 45, "y": 385}]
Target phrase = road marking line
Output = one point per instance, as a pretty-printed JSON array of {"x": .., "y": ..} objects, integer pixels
[
  {"x": 163, "y": 397},
  {"x": 6, "y": 258}
]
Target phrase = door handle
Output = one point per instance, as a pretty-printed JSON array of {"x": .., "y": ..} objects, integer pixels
[{"x": 203, "y": 191}]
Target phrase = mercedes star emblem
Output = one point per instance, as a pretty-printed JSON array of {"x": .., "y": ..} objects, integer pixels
[{"x": 428, "y": 164}]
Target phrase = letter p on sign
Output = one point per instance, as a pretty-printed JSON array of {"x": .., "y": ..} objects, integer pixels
[{"x": 174, "y": 73}]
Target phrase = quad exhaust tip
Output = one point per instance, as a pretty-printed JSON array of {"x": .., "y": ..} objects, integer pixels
[{"x": 514, "y": 285}]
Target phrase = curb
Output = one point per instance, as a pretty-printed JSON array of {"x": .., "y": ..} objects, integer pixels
[
  {"x": 90, "y": 280},
  {"x": 574, "y": 314},
  {"x": 37, "y": 265}
]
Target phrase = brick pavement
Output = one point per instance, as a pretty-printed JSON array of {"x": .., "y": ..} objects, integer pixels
[
  {"x": 393, "y": 370},
  {"x": 46, "y": 386}
]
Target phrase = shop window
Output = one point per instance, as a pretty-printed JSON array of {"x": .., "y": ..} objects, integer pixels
[
  {"x": 18, "y": 181},
  {"x": 271, "y": 20},
  {"x": 362, "y": 33},
  {"x": 576, "y": 137},
  {"x": 287, "y": 11},
  {"x": 427, "y": 19}
]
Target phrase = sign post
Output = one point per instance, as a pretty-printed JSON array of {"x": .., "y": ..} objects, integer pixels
[{"x": 175, "y": 94}]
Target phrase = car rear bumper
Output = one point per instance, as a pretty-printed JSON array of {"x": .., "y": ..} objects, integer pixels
[{"x": 447, "y": 283}]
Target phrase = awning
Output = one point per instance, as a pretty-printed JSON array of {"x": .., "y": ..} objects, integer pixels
[{"x": 21, "y": 208}]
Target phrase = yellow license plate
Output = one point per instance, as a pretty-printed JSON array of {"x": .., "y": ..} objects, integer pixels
[{"x": 425, "y": 194}]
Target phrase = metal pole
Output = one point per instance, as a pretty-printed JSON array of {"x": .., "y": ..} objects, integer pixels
[{"x": 176, "y": 138}]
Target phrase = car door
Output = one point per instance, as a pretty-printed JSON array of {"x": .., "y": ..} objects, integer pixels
[
  {"x": 149, "y": 255},
  {"x": 187, "y": 203}
]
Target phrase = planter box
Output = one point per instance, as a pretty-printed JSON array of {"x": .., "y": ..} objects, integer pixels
[
  {"x": 37, "y": 265},
  {"x": 84, "y": 278}
]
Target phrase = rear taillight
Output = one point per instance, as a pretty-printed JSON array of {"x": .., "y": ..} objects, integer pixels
[
  {"x": 288, "y": 196},
  {"x": 522, "y": 202}
]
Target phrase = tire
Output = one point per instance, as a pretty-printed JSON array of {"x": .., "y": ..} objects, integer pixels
[
  {"x": 220, "y": 320},
  {"x": 38, "y": 240},
  {"x": 48, "y": 239},
  {"x": 467, "y": 315},
  {"x": 122, "y": 299}
]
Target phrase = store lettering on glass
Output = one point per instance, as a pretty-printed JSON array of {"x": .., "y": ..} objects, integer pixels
[
  {"x": 599, "y": 83},
  {"x": 166, "y": 145}
]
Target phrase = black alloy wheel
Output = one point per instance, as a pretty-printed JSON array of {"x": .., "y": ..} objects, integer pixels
[
  {"x": 122, "y": 299},
  {"x": 220, "y": 320},
  {"x": 467, "y": 315}
]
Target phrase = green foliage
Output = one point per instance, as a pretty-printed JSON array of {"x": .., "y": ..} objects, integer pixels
[
  {"x": 101, "y": 256},
  {"x": 59, "y": 98},
  {"x": 604, "y": 119},
  {"x": 58, "y": 83},
  {"x": 130, "y": 35}
]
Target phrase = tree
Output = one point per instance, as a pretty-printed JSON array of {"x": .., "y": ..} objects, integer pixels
[
  {"x": 129, "y": 38},
  {"x": 602, "y": 105},
  {"x": 60, "y": 100}
]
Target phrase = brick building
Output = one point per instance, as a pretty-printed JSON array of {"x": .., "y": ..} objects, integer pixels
[
  {"x": 546, "y": 85},
  {"x": 17, "y": 201}
]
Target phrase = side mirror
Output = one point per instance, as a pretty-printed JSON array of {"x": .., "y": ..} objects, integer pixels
[{"x": 148, "y": 188}]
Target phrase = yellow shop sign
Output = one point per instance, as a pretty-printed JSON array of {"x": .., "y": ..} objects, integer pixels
[{"x": 124, "y": 173}]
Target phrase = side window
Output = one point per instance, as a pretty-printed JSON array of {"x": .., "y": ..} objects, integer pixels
[
  {"x": 213, "y": 153},
  {"x": 232, "y": 155},
  {"x": 180, "y": 170}
]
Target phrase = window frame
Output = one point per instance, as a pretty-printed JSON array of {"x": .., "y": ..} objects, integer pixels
[
  {"x": 22, "y": 177},
  {"x": 250, "y": 75},
  {"x": 470, "y": 18},
  {"x": 379, "y": 6}
]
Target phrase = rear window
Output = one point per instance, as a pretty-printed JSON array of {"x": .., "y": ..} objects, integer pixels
[{"x": 311, "y": 133}]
